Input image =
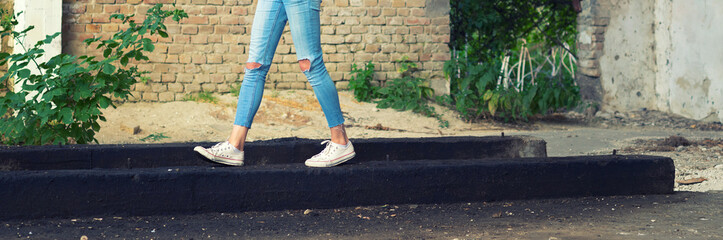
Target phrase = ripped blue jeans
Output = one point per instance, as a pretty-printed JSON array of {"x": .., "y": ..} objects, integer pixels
[{"x": 269, "y": 22}]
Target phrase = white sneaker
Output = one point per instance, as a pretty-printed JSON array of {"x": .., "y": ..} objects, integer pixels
[
  {"x": 222, "y": 153},
  {"x": 332, "y": 155}
]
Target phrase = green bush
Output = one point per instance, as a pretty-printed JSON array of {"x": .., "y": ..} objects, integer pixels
[
  {"x": 407, "y": 93},
  {"x": 63, "y": 101},
  {"x": 490, "y": 39},
  {"x": 361, "y": 82}
]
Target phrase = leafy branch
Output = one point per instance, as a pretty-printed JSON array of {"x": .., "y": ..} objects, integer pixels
[{"x": 62, "y": 102}]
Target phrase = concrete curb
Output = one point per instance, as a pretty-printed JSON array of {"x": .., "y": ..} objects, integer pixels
[
  {"x": 111, "y": 192},
  {"x": 278, "y": 151}
]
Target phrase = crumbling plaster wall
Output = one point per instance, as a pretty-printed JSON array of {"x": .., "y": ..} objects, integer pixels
[
  {"x": 689, "y": 41},
  {"x": 658, "y": 54},
  {"x": 628, "y": 64}
]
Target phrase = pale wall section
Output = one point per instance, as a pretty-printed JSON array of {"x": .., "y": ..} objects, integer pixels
[
  {"x": 45, "y": 16},
  {"x": 694, "y": 65},
  {"x": 663, "y": 55},
  {"x": 628, "y": 63}
]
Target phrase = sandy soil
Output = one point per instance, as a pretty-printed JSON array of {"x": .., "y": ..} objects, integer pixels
[{"x": 289, "y": 113}]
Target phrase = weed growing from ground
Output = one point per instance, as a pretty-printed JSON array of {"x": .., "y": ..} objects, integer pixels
[
  {"x": 408, "y": 93},
  {"x": 235, "y": 89},
  {"x": 154, "y": 137},
  {"x": 361, "y": 83},
  {"x": 206, "y": 97}
]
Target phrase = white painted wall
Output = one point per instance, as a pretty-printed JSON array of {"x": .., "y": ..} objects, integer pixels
[
  {"x": 46, "y": 16},
  {"x": 628, "y": 64},
  {"x": 694, "y": 57},
  {"x": 665, "y": 55}
]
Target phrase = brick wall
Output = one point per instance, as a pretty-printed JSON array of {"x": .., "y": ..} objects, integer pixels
[
  {"x": 6, "y": 45},
  {"x": 207, "y": 51},
  {"x": 591, "y": 25}
]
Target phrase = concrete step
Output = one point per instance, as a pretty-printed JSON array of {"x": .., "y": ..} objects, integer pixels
[
  {"x": 150, "y": 191},
  {"x": 278, "y": 151}
]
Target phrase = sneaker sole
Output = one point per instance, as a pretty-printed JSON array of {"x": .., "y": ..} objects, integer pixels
[
  {"x": 331, "y": 163},
  {"x": 216, "y": 159}
]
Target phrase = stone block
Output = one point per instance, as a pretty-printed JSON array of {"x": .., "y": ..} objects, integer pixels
[
  {"x": 150, "y": 97},
  {"x": 192, "y": 88},
  {"x": 208, "y": 87},
  {"x": 341, "y": 3},
  {"x": 175, "y": 87},
  {"x": 371, "y": 3},
  {"x": 166, "y": 97},
  {"x": 372, "y": 48},
  {"x": 189, "y": 30},
  {"x": 343, "y": 29},
  {"x": 403, "y": 12}
]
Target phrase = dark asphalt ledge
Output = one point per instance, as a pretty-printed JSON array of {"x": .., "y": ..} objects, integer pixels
[
  {"x": 112, "y": 192},
  {"x": 277, "y": 151},
  {"x": 169, "y": 178}
]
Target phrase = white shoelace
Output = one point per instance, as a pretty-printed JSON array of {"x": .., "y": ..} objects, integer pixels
[
  {"x": 327, "y": 149},
  {"x": 219, "y": 147}
]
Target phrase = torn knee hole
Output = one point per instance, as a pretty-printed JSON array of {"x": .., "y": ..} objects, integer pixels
[
  {"x": 304, "y": 64},
  {"x": 253, "y": 65}
]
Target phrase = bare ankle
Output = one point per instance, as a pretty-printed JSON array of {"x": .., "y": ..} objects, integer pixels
[
  {"x": 338, "y": 135},
  {"x": 238, "y": 137},
  {"x": 340, "y": 141},
  {"x": 237, "y": 144}
]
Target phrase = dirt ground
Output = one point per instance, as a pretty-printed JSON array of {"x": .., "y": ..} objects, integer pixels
[{"x": 289, "y": 113}]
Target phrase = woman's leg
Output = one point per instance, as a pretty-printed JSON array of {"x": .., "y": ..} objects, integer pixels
[
  {"x": 305, "y": 30},
  {"x": 268, "y": 25},
  {"x": 269, "y": 22}
]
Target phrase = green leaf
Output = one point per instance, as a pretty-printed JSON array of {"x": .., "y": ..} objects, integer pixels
[
  {"x": 24, "y": 73},
  {"x": 492, "y": 105},
  {"x": 95, "y": 126},
  {"x": 163, "y": 34},
  {"x": 66, "y": 115},
  {"x": 411, "y": 106},
  {"x": 46, "y": 136},
  {"x": 103, "y": 102},
  {"x": 139, "y": 55},
  {"x": 124, "y": 60},
  {"x": 107, "y": 52},
  {"x": 118, "y": 16},
  {"x": 49, "y": 38},
  {"x": 113, "y": 44},
  {"x": 148, "y": 45},
  {"x": 108, "y": 69},
  {"x": 487, "y": 96}
]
